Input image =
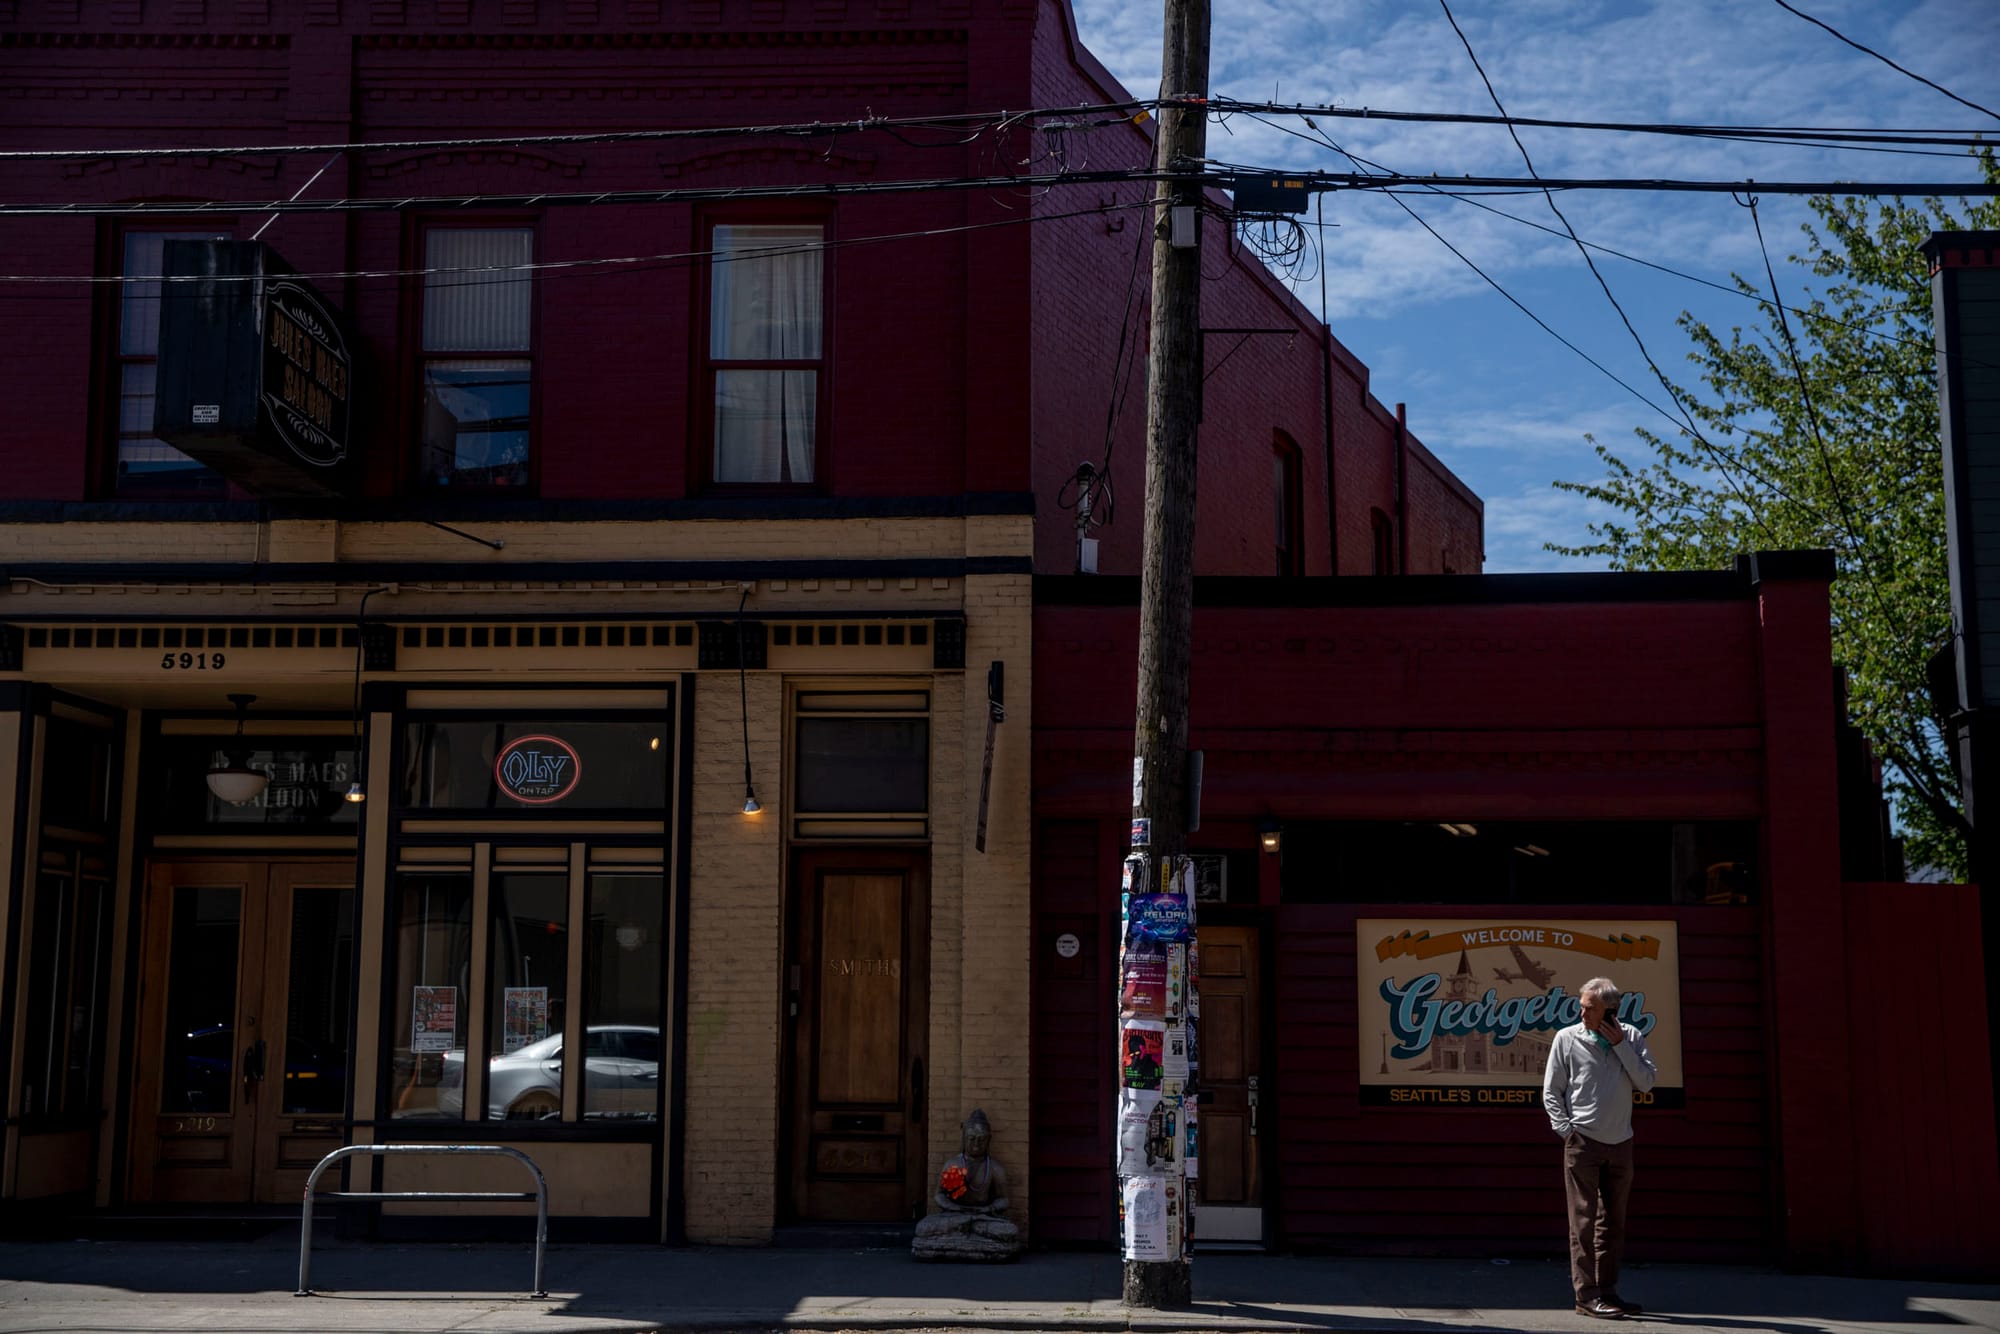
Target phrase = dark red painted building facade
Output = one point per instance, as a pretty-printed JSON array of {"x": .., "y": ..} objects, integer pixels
[{"x": 1520, "y": 749}]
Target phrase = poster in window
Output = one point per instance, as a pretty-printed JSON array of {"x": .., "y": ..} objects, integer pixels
[
  {"x": 524, "y": 1017},
  {"x": 434, "y": 1019}
]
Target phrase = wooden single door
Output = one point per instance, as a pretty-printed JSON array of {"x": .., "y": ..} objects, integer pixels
[
  {"x": 859, "y": 1001},
  {"x": 1231, "y": 1193},
  {"x": 241, "y": 1083}
]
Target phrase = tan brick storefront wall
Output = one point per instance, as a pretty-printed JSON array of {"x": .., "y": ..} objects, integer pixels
[{"x": 734, "y": 945}]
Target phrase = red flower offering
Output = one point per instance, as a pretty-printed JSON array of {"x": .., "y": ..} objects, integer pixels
[{"x": 952, "y": 1181}]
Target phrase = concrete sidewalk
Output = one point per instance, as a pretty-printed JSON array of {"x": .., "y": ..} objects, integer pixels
[{"x": 247, "y": 1285}]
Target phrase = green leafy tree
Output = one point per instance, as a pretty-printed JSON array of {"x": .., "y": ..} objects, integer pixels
[{"x": 1819, "y": 428}]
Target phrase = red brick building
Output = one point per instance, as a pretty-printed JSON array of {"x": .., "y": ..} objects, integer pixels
[{"x": 601, "y": 463}]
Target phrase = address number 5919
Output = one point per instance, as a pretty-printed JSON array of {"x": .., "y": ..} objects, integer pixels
[{"x": 191, "y": 662}]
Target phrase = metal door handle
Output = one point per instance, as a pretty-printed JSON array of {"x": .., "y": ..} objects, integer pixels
[
  {"x": 917, "y": 1090},
  {"x": 1253, "y": 1106}
]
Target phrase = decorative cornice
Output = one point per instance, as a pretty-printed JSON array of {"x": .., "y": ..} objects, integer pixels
[
  {"x": 522, "y": 158},
  {"x": 677, "y": 40},
  {"x": 788, "y": 154}
]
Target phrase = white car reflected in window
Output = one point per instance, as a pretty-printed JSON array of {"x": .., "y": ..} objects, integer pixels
[{"x": 621, "y": 1078}]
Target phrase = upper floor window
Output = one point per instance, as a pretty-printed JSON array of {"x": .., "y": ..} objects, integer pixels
[
  {"x": 766, "y": 353},
  {"x": 476, "y": 367},
  {"x": 1382, "y": 534},
  {"x": 1289, "y": 517},
  {"x": 144, "y": 464}
]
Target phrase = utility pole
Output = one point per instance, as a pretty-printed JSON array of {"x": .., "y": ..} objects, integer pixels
[{"x": 1157, "y": 968}]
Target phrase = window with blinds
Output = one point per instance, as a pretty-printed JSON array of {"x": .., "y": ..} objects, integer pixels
[{"x": 477, "y": 371}]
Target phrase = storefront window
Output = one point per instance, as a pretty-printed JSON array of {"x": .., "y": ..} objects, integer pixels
[
  {"x": 433, "y": 981},
  {"x": 307, "y": 792},
  {"x": 528, "y": 990},
  {"x": 622, "y": 975},
  {"x": 523, "y": 766},
  {"x": 68, "y": 977},
  {"x": 1496, "y": 861}
]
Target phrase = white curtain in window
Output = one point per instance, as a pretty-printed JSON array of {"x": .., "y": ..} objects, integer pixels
[
  {"x": 484, "y": 305},
  {"x": 764, "y": 295},
  {"x": 764, "y": 425},
  {"x": 765, "y": 302}
]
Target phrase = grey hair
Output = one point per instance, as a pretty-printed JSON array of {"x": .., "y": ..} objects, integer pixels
[{"x": 1604, "y": 989}]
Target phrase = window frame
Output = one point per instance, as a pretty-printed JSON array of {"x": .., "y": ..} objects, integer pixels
[
  {"x": 411, "y": 372},
  {"x": 1382, "y": 542},
  {"x": 1290, "y": 505},
  {"x": 106, "y": 401},
  {"x": 703, "y": 366},
  {"x": 580, "y": 862}
]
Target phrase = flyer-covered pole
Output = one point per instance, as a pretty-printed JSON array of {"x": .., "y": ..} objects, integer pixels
[{"x": 1158, "y": 959}]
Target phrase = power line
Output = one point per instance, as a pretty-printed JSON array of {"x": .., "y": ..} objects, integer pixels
[
  {"x": 551, "y": 268},
  {"x": 981, "y": 120},
  {"x": 1221, "y": 174},
  {"x": 1113, "y": 113},
  {"x": 1870, "y": 51},
  {"x": 587, "y": 198},
  {"x": 1224, "y": 106}
]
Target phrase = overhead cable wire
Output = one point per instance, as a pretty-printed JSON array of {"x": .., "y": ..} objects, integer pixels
[
  {"x": 1122, "y": 111},
  {"x": 1218, "y": 174},
  {"x": 1871, "y": 51},
  {"x": 1823, "y": 135},
  {"x": 585, "y": 267},
  {"x": 1674, "y": 395},
  {"x": 1508, "y": 296}
]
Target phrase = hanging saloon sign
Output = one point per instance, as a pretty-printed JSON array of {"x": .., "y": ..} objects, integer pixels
[{"x": 255, "y": 375}]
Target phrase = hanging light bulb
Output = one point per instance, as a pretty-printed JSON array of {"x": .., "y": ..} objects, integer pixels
[
  {"x": 750, "y": 806},
  {"x": 355, "y": 794},
  {"x": 236, "y": 782}
]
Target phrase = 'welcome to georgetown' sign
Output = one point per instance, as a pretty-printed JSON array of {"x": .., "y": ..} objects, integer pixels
[{"x": 1461, "y": 1013}]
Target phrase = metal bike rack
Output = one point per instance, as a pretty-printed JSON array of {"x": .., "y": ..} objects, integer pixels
[{"x": 540, "y": 1195}]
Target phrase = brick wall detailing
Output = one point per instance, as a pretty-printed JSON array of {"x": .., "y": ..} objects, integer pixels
[
  {"x": 992, "y": 947},
  {"x": 734, "y": 948},
  {"x": 1805, "y": 937}
]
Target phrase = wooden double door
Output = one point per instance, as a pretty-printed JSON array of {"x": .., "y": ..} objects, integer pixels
[
  {"x": 240, "y": 1083},
  {"x": 858, "y": 999}
]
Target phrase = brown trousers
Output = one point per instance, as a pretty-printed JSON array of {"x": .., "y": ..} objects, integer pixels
[{"x": 1598, "y": 1180}]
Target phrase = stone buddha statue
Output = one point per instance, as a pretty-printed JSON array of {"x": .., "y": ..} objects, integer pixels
[{"x": 971, "y": 1219}]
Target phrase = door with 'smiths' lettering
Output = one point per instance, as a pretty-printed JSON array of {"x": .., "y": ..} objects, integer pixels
[{"x": 858, "y": 984}]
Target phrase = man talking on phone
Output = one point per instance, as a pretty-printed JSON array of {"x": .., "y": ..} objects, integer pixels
[{"x": 1594, "y": 1068}]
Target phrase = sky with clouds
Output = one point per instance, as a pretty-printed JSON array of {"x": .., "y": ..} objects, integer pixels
[{"x": 1503, "y": 403}]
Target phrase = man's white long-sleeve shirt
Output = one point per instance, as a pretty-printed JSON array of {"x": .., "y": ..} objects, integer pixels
[{"x": 1588, "y": 1085}]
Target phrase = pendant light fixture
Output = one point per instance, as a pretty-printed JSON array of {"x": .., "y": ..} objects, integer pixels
[{"x": 236, "y": 782}]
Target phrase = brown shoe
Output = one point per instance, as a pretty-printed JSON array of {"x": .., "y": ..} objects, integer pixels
[
  {"x": 1629, "y": 1308},
  {"x": 1600, "y": 1308}
]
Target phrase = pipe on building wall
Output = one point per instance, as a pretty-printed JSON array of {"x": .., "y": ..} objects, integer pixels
[
  {"x": 1402, "y": 490},
  {"x": 1326, "y": 410}
]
